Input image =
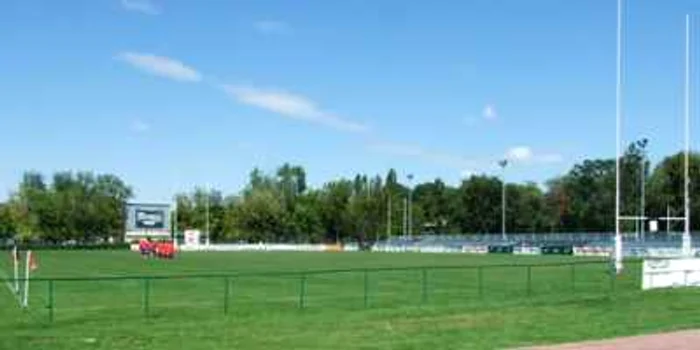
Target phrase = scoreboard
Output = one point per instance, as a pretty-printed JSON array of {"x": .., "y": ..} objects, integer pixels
[{"x": 147, "y": 220}]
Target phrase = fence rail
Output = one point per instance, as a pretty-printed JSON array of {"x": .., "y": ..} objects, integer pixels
[{"x": 331, "y": 288}]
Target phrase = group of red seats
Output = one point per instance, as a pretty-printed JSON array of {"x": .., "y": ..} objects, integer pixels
[{"x": 164, "y": 249}]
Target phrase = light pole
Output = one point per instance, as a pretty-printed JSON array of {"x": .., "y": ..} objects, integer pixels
[
  {"x": 410, "y": 204},
  {"x": 503, "y": 163},
  {"x": 206, "y": 209},
  {"x": 642, "y": 199}
]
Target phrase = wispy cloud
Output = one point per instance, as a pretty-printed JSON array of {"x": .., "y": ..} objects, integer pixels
[
  {"x": 440, "y": 158},
  {"x": 525, "y": 154},
  {"x": 291, "y": 106},
  {"x": 519, "y": 153},
  {"x": 140, "y": 126},
  {"x": 489, "y": 112},
  {"x": 272, "y": 27},
  {"x": 142, "y": 6},
  {"x": 160, "y": 66}
]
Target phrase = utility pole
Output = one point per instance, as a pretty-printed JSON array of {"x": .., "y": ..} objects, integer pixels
[
  {"x": 643, "y": 199},
  {"x": 405, "y": 216},
  {"x": 503, "y": 163},
  {"x": 410, "y": 205},
  {"x": 206, "y": 209}
]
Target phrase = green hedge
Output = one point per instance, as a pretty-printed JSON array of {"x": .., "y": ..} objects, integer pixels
[
  {"x": 558, "y": 249},
  {"x": 500, "y": 249}
]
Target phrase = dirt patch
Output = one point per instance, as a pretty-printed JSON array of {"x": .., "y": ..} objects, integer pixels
[{"x": 684, "y": 340}]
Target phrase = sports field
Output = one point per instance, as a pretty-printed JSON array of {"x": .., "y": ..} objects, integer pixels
[{"x": 330, "y": 300}]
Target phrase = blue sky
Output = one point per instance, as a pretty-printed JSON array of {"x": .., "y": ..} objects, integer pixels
[{"x": 170, "y": 94}]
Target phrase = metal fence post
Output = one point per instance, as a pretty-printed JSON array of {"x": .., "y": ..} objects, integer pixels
[
  {"x": 302, "y": 292},
  {"x": 226, "y": 292},
  {"x": 51, "y": 300},
  {"x": 424, "y": 293},
  {"x": 146, "y": 295},
  {"x": 366, "y": 285},
  {"x": 480, "y": 280},
  {"x": 529, "y": 280}
]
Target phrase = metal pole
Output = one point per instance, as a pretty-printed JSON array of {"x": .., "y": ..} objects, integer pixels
[
  {"x": 503, "y": 164},
  {"x": 206, "y": 207},
  {"x": 503, "y": 209},
  {"x": 405, "y": 216},
  {"x": 686, "y": 231},
  {"x": 175, "y": 223},
  {"x": 643, "y": 199},
  {"x": 618, "y": 122},
  {"x": 410, "y": 205},
  {"x": 668, "y": 222}
]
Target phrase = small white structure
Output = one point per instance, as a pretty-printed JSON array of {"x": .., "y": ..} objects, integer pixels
[
  {"x": 192, "y": 238},
  {"x": 670, "y": 273}
]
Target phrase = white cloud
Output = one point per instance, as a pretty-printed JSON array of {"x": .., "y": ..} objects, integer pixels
[
  {"x": 140, "y": 126},
  {"x": 519, "y": 154},
  {"x": 524, "y": 154},
  {"x": 290, "y": 105},
  {"x": 160, "y": 66},
  {"x": 415, "y": 151},
  {"x": 489, "y": 112},
  {"x": 272, "y": 27},
  {"x": 143, "y": 6}
]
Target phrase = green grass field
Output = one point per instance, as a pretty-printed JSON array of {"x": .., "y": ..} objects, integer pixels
[{"x": 293, "y": 300}]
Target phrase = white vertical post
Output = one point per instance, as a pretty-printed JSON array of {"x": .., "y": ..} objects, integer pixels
[
  {"x": 206, "y": 208},
  {"x": 175, "y": 224},
  {"x": 410, "y": 205},
  {"x": 405, "y": 216},
  {"x": 686, "y": 181},
  {"x": 15, "y": 259},
  {"x": 618, "y": 122},
  {"x": 25, "y": 300},
  {"x": 503, "y": 164},
  {"x": 643, "y": 199}
]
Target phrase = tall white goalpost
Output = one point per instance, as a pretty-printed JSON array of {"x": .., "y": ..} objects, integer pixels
[{"x": 686, "y": 243}]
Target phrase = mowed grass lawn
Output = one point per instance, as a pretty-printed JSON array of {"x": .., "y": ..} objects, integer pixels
[{"x": 372, "y": 301}]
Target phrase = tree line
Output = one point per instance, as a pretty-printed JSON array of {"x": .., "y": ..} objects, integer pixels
[{"x": 280, "y": 206}]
